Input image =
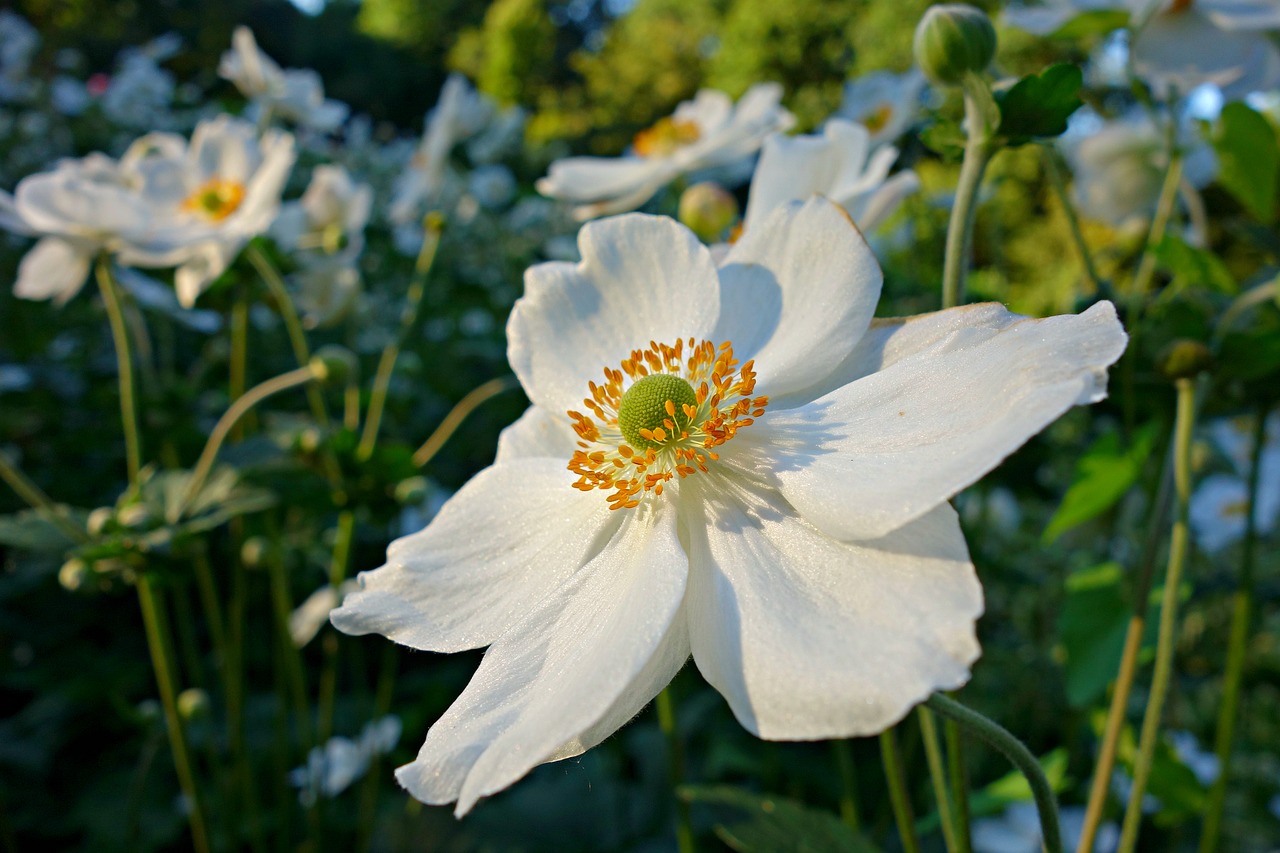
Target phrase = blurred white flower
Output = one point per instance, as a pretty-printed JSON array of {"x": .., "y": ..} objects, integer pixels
[
  {"x": 15, "y": 377},
  {"x": 329, "y": 219},
  {"x": 1203, "y": 763},
  {"x": 1180, "y": 44},
  {"x": 19, "y": 42},
  {"x": 493, "y": 186},
  {"x": 886, "y": 104},
  {"x": 840, "y": 164},
  {"x": 69, "y": 96},
  {"x": 311, "y": 615},
  {"x": 709, "y": 132},
  {"x": 325, "y": 292},
  {"x": 296, "y": 94},
  {"x": 460, "y": 113},
  {"x": 760, "y": 480},
  {"x": 140, "y": 94},
  {"x": 1017, "y": 830},
  {"x": 501, "y": 138},
  {"x": 332, "y": 768},
  {"x": 1220, "y": 504}
]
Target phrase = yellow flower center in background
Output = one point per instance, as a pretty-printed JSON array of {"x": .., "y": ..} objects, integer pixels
[
  {"x": 659, "y": 416},
  {"x": 665, "y": 136},
  {"x": 878, "y": 118},
  {"x": 216, "y": 199},
  {"x": 1180, "y": 6}
]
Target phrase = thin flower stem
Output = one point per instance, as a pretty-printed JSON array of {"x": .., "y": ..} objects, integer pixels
[
  {"x": 211, "y": 602},
  {"x": 292, "y": 325},
  {"x": 977, "y": 153},
  {"x": 373, "y": 776},
  {"x": 458, "y": 414},
  {"x": 1241, "y": 617},
  {"x": 675, "y": 769},
  {"x": 959, "y": 778},
  {"x": 937, "y": 776},
  {"x": 1184, "y": 423},
  {"x": 238, "y": 361},
  {"x": 282, "y": 608},
  {"x": 246, "y": 787},
  {"x": 848, "y": 783},
  {"x": 1013, "y": 749},
  {"x": 38, "y": 500},
  {"x": 408, "y": 316},
  {"x": 1058, "y": 181},
  {"x": 152, "y": 620},
  {"x": 124, "y": 369},
  {"x": 329, "y": 673},
  {"x": 1258, "y": 295},
  {"x": 895, "y": 776},
  {"x": 229, "y": 419}
]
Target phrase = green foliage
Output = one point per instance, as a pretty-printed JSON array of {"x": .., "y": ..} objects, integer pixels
[
  {"x": 1039, "y": 105},
  {"x": 767, "y": 824},
  {"x": 1092, "y": 628},
  {"x": 1193, "y": 267},
  {"x": 1248, "y": 159},
  {"x": 1104, "y": 474},
  {"x": 512, "y": 56}
]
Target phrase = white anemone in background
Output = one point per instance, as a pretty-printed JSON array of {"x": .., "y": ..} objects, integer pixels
[
  {"x": 1120, "y": 165},
  {"x": 734, "y": 462},
  {"x": 295, "y": 94},
  {"x": 460, "y": 113},
  {"x": 886, "y": 104},
  {"x": 331, "y": 768},
  {"x": 1181, "y": 44},
  {"x": 709, "y": 132},
  {"x": 329, "y": 219},
  {"x": 19, "y": 43},
  {"x": 1017, "y": 830},
  {"x": 207, "y": 198},
  {"x": 839, "y": 164},
  {"x": 1220, "y": 504}
]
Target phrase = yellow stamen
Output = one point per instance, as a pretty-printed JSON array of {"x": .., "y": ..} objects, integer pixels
[
  {"x": 665, "y": 136},
  {"x": 216, "y": 199}
]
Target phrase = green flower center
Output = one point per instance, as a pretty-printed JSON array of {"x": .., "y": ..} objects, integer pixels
[{"x": 652, "y": 409}]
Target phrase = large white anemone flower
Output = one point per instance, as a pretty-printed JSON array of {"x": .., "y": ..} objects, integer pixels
[
  {"x": 839, "y": 164},
  {"x": 732, "y": 462},
  {"x": 296, "y": 94},
  {"x": 886, "y": 104},
  {"x": 709, "y": 132},
  {"x": 1180, "y": 44}
]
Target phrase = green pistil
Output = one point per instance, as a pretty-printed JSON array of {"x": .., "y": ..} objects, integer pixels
[{"x": 644, "y": 407}]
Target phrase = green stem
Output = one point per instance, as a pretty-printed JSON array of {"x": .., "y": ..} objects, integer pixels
[
  {"x": 38, "y": 500},
  {"x": 458, "y": 414},
  {"x": 124, "y": 369},
  {"x": 329, "y": 673},
  {"x": 1167, "y": 637},
  {"x": 1241, "y": 617},
  {"x": 1058, "y": 181},
  {"x": 152, "y": 620},
  {"x": 848, "y": 783},
  {"x": 282, "y": 608},
  {"x": 977, "y": 153},
  {"x": 959, "y": 777},
  {"x": 373, "y": 776},
  {"x": 1159, "y": 225},
  {"x": 238, "y": 361},
  {"x": 211, "y": 603},
  {"x": 938, "y": 777},
  {"x": 1013, "y": 749},
  {"x": 895, "y": 776},
  {"x": 408, "y": 316},
  {"x": 675, "y": 769}
]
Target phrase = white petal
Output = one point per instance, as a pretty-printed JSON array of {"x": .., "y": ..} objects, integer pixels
[
  {"x": 1182, "y": 51},
  {"x": 809, "y": 638},
  {"x": 1038, "y": 20},
  {"x": 872, "y": 209},
  {"x": 512, "y": 534},
  {"x": 552, "y": 678},
  {"x": 641, "y": 279},
  {"x": 808, "y": 267},
  {"x": 53, "y": 269},
  {"x": 796, "y": 167},
  {"x": 879, "y": 452},
  {"x": 1242, "y": 14},
  {"x": 537, "y": 432},
  {"x": 584, "y": 180}
]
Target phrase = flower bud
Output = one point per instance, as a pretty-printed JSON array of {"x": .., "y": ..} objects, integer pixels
[
  {"x": 193, "y": 703},
  {"x": 412, "y": 491},
  {"x": 1184, "y": 359},
  {"x": 99, "y": 519},
  {"x": 708, "y": 210},
  {"x": 952, "y": 40},
  {"x": 333, "y": 365},
  {"x": 72, "y": 574},
  {"x": 254, "y": 551}
]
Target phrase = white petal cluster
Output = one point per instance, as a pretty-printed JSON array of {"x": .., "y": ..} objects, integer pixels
[
  {"x": 886, "y": 104},
  {"x": 805, "y": 555},
  {"x": 709, "y": 133},
  {"x": 294, "y": 94},
  {"x": 331, "y": 768},
  {"x": 1220, "y": 504}
]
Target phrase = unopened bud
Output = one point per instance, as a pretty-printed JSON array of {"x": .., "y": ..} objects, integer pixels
[
  {"x": 98, "y": 520},
  {"x": 72, "y": 574},
  {"x": 952, "y": 40},
  {"x": 193, "y": 703},
  {"x": 333, "y": 365},
  {"x": 708, "y": 210},
  {"x": 1184, "y": 359},
  {"x": 411, "y": 491},
  {"x": 254, "y": 551}
]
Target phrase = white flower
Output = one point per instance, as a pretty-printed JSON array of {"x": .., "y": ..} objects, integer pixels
[
  {"x": 460, "y": 113},
  {"x": 19, "y": 42},
  {"x": 839, "y": 164},
  {"x": 781, "y": 515},
  {"x": 1017, "y": 830},
  {"x": 296, "y": 95},
  {"x": 325, "y": 292},
  {"x": 1220, "y": 504},
  {"x": 329, "y": 219},
  {"x": 493, "y": 185},
  {"x": 886, "y": 104},
  {"x": 708, "y": 132},
  {"x": 309, "y": 617},
  {"x": 1180, "y": 44},
  {"x": 1120, "y": 166},
  {"x": 331, "y": 769},
  {"x": 140, "y": 93}
]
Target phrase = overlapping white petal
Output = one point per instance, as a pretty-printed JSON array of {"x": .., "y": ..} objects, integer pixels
[
  {"x": 294, "y": 94},
  {"x": 886, "y": 104}
]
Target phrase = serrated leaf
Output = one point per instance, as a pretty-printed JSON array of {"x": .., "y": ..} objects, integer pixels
[
  {"x": 1248, "y": 159},
  {"x": 773, "y": 824},
  {"x": 29, "y": 530},
  {"x": 1192, "y": 267},
  {"x": 1103, "y": 475},
  {"x": 1038, "y": 105}
]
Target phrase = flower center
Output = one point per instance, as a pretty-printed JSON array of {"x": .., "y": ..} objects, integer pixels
[
  {"x": 878, "y": 118},
  {"x": 1180, "y": 6},
  {"x": 666, "y": 135},
  {"x": 659, "y": 416},
  {"x": 216, "y": 199}
]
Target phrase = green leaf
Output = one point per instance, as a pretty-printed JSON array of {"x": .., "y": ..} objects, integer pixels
[
  {"x": 772, "y": 824},
  {"x": 1103, "y": 475},
  {"x": 1013, "y": 786},
  {"x": 1248, "y": 159},
  {"x": 1092, "y": 628},
  {"x": 1098, "y": 22},
  {"x": 944, "y": 138},
  {"x": 1192, "y": 267},
  {"x": 1039, "y": 105},
  {"x": 29, "y": 530}
]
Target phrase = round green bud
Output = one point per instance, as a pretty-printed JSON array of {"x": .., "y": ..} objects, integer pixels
[
  {"x": 411, "y": 491},
  {"x": 1184, "y": 359},
  {"x": 254, "y": 551},
  {"x": 73, "y": 573},
  {"x": 99, "y": 519},
  {"x": 193, "y": 703},
  {"x": 333, "y": 365},
  {"x": 708, "y": 210},
  {"x": 133, "y": 516},
  {"x": 952, "y": 40},
  {"x": 644, "y": 407}
]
